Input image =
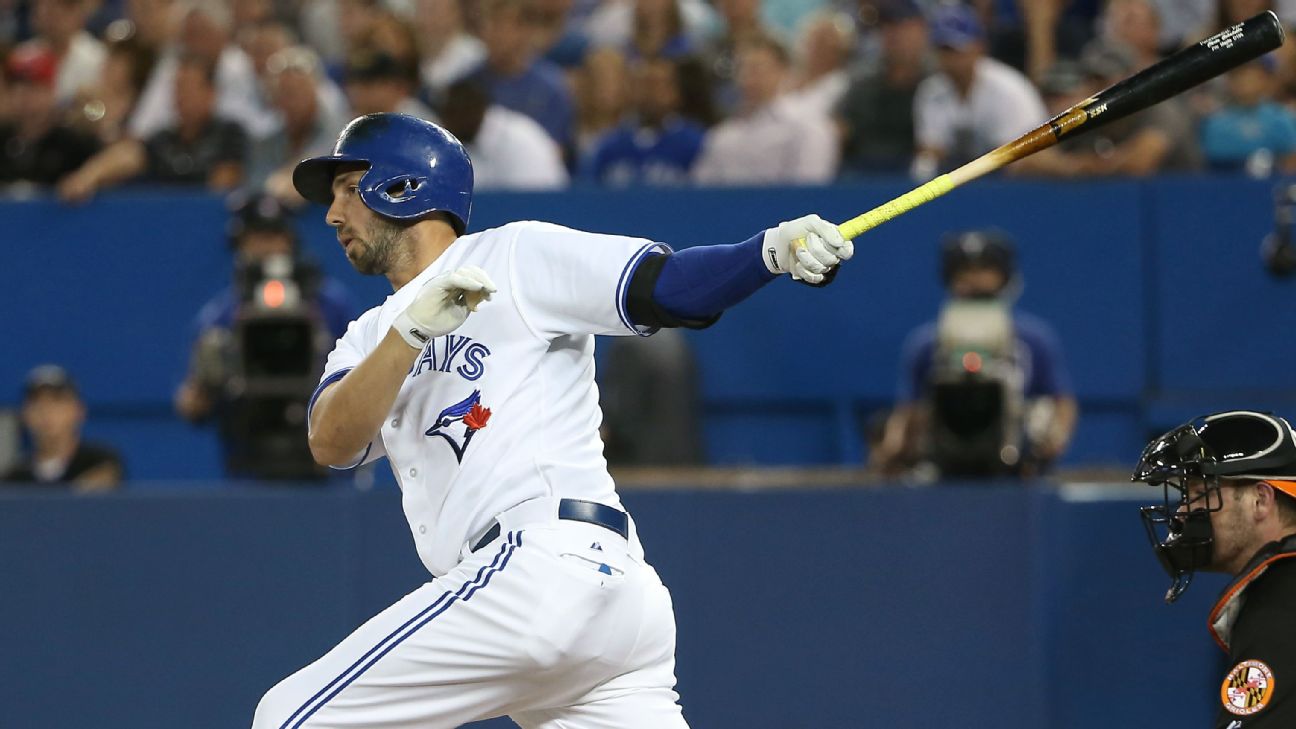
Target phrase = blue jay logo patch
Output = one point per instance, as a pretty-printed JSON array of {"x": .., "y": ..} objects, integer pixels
[{"x": 460, "y": 422}]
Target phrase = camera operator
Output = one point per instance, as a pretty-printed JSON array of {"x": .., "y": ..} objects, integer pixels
[
  {"x": 259, "y": 345},
  {"x": 984, "y": 391}
]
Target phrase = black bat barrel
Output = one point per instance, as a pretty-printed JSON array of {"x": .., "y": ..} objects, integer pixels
[{"x": 1191, "y": 66}]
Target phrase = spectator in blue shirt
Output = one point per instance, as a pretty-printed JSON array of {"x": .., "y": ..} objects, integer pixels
[
  {"x": 1251, "y": 131},
  {"x": 516, "y": 77},
  {"x": 657, "y": 146}
]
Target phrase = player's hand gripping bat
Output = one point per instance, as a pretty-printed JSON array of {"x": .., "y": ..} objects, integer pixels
[{"x": 1189, "y": 67}]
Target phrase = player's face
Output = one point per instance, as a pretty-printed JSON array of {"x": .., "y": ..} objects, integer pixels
[
  {"x": 1228, "y": 521},
  {"x": 372, "y": 244}
]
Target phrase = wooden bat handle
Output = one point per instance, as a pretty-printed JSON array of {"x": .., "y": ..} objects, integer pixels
[{"x": 929, "y": 191}]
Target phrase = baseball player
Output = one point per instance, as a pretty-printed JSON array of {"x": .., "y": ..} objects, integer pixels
[
  {"x": 475, "y": 379},
  {"x": 1230, "y": 506}
]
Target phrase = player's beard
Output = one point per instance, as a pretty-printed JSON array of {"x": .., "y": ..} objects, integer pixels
[{"x": 381, "y": 251}]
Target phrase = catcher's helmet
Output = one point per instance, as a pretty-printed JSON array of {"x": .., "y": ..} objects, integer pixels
[
  {"x": 415, "y": 168},
  {"x": 1240, "y": 445},
  {"x": 988, "y": 248}
]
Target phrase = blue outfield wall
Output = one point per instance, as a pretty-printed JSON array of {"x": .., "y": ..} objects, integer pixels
[
  {"x": 1155, "y": 288},
  {"x": 1011, "y": 608}
]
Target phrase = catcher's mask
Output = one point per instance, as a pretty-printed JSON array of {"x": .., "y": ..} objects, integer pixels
[{"x": 1189, "y": 464}]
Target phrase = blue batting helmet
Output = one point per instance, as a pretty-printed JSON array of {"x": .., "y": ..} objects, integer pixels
[{"x": 415, "y": 168}]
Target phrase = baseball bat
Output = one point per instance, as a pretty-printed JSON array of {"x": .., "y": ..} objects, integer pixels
[{"x": 1187, "y": 68}]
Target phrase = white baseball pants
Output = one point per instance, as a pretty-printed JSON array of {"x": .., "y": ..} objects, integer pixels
[{"x": 557, "y": 624}]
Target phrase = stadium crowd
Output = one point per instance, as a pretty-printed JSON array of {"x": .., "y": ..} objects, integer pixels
[{"x": 548, "y": 93}]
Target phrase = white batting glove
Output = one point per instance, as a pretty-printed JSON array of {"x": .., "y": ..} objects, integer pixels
[
  {"x": 443, "y": 304},
  {"x": 807, "y": 248}
]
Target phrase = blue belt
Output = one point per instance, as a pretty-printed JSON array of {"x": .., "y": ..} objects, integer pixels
[{"x": 590, "y": 512}]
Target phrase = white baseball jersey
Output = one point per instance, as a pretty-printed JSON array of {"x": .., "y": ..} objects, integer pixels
[{"x": 505, "y": 408}]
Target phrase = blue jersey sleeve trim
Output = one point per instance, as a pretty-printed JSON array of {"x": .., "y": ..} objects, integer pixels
[
  {"x": 319, "y": 389},
  {"x": 310, "y": 407},
  {"x": 623, "y": 285},
  {"x": 356, "y": 464}
]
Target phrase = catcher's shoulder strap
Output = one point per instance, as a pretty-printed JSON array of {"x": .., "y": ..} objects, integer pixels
[{"x": 1230, "y": 603}]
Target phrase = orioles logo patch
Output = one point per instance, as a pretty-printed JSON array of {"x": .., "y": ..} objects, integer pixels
[{"x": 1247, "y": 688}]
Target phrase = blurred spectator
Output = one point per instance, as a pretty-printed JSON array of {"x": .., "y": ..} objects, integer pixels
[
  {"x": 1030, "y": 35},
  {"x": 614, "y": 23},
  {"x": 377, "y": 82},
  {"x": 772, "y": 139},
  {"x": 973, "y": 104},
  {"x": 1182, "y": 20},
  {"x": 656, "y": 146},
  {"x": 556, "y": 39},
  {"x": 984, "y": 390},
  {"x": 448, "y": 51},
  {"x": 1232, "y": 12},
  {"x": 697, "y": 103},
  {"x": 251, "y": 13},
  {"x": 1159, "y": 139},
  {"x": 34, "y": 146},
  {"x": 308, "y": 125},
  {"x": 1252, "y": 132},
  {"x": 516, "y": 78},
  {"x": 787, "y": 16},
  {"x": 201, "y": 149},
  {"x": 53, "y": 415},
  {"x": 6, "y": 103},
  {"x": 648, "y": 390},
  {"x": 1135, "y": 25},
  {"x": 658, "y": 30},
  {"x": 877, "y": 113},
  {"x": 350, "y": 22},
  {"x": 742, "y": 24},
  {"x": 602, "y": 96},
  {"x": 9, "y": 22},
  {"x": 103, "y": 108},
  {"x": 394, "y": 35},
  {"x": 509, "y": 151},
  {"x": 823, "y": 49},
  {"x": 202, "y": 31},
  {"x": 263, "y": 39},
  {"x": 320, "y": 24},
  {"x": 152, "y": 22},
  {"x": 60, "y": 28},
  {"x": 259, "y": 41},
  {"x": 259, "y": 343}
]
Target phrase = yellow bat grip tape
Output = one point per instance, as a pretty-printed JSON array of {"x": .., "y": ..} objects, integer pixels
[{"x": 899, "y": 206}]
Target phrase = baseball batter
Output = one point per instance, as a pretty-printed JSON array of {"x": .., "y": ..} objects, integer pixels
[{"x": 475, "y": 379}]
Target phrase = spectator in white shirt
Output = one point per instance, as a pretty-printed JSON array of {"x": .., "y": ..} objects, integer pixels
[
  {"x": 203, "y": 31},
  {"x": 823, "y": 50},
  {"x": 60, "y": 27},
  {"x": 377, "y": 82},
  {"x": 974, "y": 103},
  {"x": 509, "y": 150},
  {"x": 773, "y": 139},
  {"x": 307, "y": 123},
  {"x": 447, "y": 50}
]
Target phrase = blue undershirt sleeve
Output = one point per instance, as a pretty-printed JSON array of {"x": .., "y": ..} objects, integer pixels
[{"x": 700, "y": 282}]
